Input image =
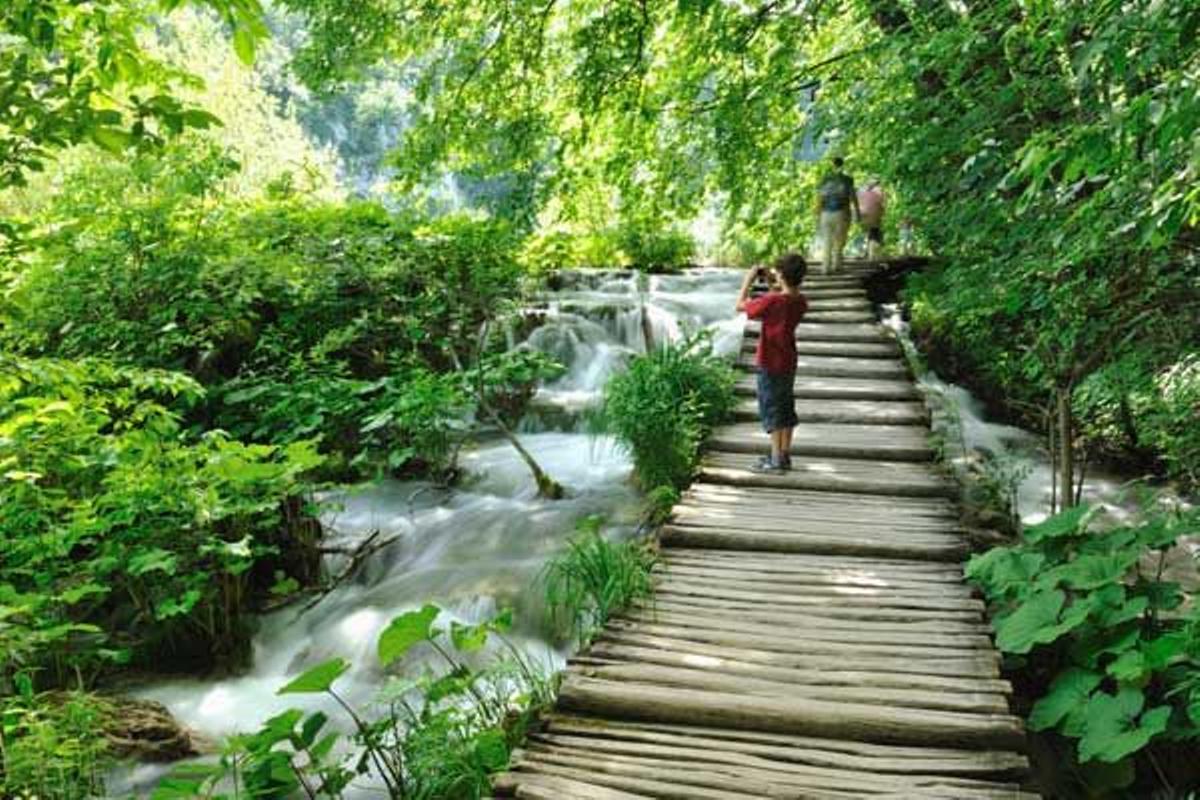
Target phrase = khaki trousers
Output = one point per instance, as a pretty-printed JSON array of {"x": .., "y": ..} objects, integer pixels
[{"x": 834, "y": 225}]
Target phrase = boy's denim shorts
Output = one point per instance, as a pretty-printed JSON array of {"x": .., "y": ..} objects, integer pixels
[{"x": 777, "y": 400}]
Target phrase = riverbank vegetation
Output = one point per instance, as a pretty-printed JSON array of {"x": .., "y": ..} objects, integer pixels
[
  {"x": 1108, "y": 648},
  {"x": 246, "y": 252}
]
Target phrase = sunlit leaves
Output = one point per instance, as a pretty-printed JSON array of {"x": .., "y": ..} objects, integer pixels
[
  {"x": 405, "y": 631},
  {"x": 316, "y": 679}
]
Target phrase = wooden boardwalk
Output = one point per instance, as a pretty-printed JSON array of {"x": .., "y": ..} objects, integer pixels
[{"x": 811, "y": 636}]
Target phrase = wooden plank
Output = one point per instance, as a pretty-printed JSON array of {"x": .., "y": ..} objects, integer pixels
[
  {"x": 845, "y": 754},
  {"x": 622, "y": 652},
  {"x": 807, "y": 387},
  {"x": 871, "y": 333},
  {"x": 822, "y": 301},
  {"x": 800, "y": 641},
  {"x": 614, "y": 643},
  {"x": 786, "y": 498},
  {"x": 773, "y": 521},
  {"x": 887, "y": 442},
  {"x": 835, "y": 474},
  {"x": 665, "y": 790},
  {"x": 946, "y": 622},
  {"x": 769, "y": 779},
  {"x": 834, "y": 544},
  {"x": 533, "y": 786},
  {"x": 806, "y": 628},
  {"x": 808, "y": 347},
  {"x": 808, "y": 567},
  {"x": 839, "y": 364},
  {"x": 831, "y": 583},
  {"x": 854, "y": 412},
  {"x": 791, "y": 715}
]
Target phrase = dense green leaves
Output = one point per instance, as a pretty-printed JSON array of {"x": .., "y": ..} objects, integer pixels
[
  {"x": 76, "y": 72},
  {"x": 663, "y": 407},
  {"x": 1119, "y": 663}
]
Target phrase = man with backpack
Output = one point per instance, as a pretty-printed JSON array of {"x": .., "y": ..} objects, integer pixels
[{"x": 836, "y": 199}]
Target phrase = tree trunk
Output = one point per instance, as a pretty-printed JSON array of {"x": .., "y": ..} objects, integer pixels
[
  {"x": 1066, "y": 446},
  {"x": 548, "y": 488}
]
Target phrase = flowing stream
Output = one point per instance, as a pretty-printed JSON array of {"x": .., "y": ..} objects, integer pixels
[{"x": 481, "y": 546}]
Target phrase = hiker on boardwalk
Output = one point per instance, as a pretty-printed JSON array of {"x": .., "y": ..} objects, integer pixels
[
  {"x": 779, "y": 310},
  {"x": 836, "y": 199},
  {"x": 871, "y": 205}
]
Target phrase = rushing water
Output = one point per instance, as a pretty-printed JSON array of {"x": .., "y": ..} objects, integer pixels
[{"x": 481, "y": 546}]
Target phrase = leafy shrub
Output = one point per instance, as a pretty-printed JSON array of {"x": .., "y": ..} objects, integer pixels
[
  {"x": 52, "y": 745},
  {"x": 654, "y": 247},
  {"x": 121, "y": 535},
  {"x": 436, "y": 735},
  {"x": 549, "y": 250},
  {"x": 337, "y": 322},
  {"x": 1086, "y": 615},
  {"x": 594, "y": 579},
  {"x": 663, "y": 407}
]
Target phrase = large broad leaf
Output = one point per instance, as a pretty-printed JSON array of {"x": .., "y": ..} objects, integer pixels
[
  {"x": 317, "y": 679},
  {"x": 1034, "y": 622},
  {"x": 1068, "y": 523},
  {"x": 1129, "y": 667},
  {"x": 405, "y": 631},
  {"x": 1002, "y": 569},
  {"x": 1095, "y": 571},
  {"x": 1068, "y": 693},
  {"x": 1115, "y": 725}
]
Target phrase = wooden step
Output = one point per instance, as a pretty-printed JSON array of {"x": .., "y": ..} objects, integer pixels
[
  {"x": 887, "y": 442},
  {"x": 860, "y": 412},
  {"x": 835, "y": 474},
  {"x": 871, "y": 333},
  {"x": 789, "y": 715},
  {"x": 807, "y": 347},
  {"x": 836, "y": 316},
  {"x": 840, "y": 366},
  {"x": 818, "y": 388}
]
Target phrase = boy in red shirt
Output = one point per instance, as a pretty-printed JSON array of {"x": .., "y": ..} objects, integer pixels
[{"x": 780, "y": 310}]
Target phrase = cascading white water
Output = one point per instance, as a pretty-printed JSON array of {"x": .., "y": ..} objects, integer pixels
[
  {"x": 481, "y": 546},
  {"x": 1023, "y": 448}
]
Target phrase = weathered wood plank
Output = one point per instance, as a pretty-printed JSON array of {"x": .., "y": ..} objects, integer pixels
[
  {"x": 834, "y": 544},
  {"x": 838, "y": 388},
  {"x": 837, "y": 753},
  {"x": 868, "y": 332},
  {"x": 887, "y": 442},
  {"x": 790, "y": 715},
  {"x": 836, "y": 474},
  {"x": 861, "y": 412},
  {"x": 672, "y": 764},
  {"x": 808, "y": 347}
]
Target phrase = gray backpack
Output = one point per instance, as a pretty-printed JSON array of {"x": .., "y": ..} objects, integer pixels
[{"x": 834, "y": 192}]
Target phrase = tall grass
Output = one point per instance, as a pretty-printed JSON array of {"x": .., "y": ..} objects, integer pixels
[
  {"x": 663, "y": 407},
  {"x": 594, "y": 579}
]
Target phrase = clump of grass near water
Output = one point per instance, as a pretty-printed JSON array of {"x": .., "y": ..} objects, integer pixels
[{"x": 594, "y": 579}]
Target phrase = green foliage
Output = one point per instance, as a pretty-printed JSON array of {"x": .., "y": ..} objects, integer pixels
[
  {"x": 52, "y": 744},
  {"x": 595, "y": 579},
  {"x": 649, "y": 246},
  {"x": 664, "y": 406},
  {"x": 438, "y": 734},
  {"x": 343, "y": 323},
  {"x": 120, "y": 534},
  {"x": 1092, "y": 619},
  {"x": 76, "y": 72}
]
